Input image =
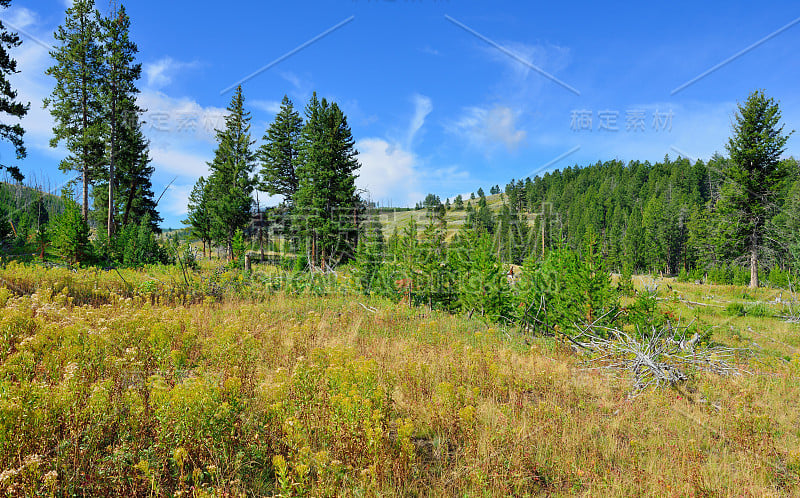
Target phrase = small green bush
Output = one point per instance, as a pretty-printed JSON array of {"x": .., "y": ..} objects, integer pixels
[
  {"x": 735, "y": 309},
  {"x": 757, "y": 310}
]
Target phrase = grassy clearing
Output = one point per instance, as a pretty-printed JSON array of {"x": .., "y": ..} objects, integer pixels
[
  {"x": 455, "y": 218},
  {"x": 293, "y": 395}
]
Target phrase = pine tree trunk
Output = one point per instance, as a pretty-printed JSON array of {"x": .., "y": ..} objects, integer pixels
[
  {"x": 313, "y": 251},
  {"x": 754, "y": 267},
  {"x": 85, "y": 116},
  {"x": 111, "y": 163},
  {"x": 85, "y": 204},
  {"x": 129, "y": 204}
]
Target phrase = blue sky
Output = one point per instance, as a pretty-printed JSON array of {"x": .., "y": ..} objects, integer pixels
[{"x": 442, "y": 96}]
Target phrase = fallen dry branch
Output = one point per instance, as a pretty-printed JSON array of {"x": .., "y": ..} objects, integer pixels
[
  {"x": 695, "y": 303},
  {"x": 659, "y": 359},
  {"x": 368, "y": 308}
]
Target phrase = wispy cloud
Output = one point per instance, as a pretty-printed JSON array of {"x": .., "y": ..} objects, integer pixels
[
  {"x": 488, "y": 128},
  {"x": 176, "y": 199},
  {"x": 423, "y": 106},
  {"x": 554, "y": 58},
  {"x": 393, "y": 172},
  {"x": 508, "y": 50},
  {"x": 31, "y": 83},
  {"x": 20, "y": 17},
  {"x": 178, "y": 119},
  {"x": 187, "y": 164},
  {"x": 162, "y": 72}
]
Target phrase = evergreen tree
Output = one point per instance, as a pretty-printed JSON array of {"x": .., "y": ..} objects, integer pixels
[
  {"x": 5, "y": 225},
  {"x": 71, "y": 234},
  {"x": 431, "y": 201},
  {"x": 9, "y": 105},
  {"x": 511, "y": 236},
  {"x": 279, "y": 155},
  {"x": 754, "y": 172},
  {"x": 434, "y": 275},
  {"x": 483, "y": 218},
  {"x": 134, "y": 173},
  {"x": 230, "y": 183},
  {"x": 119, "y": 105},
  {"x": 653, "y": 227},
  {"x": 788, "y": 225},
  {"x": 76, "y": 101},
  {"x": 634, "y": 242},
  {"x": 134, "y": 198},
  {"x": 483, "y": 286},
  {"x": 369, "y": 256},
  {"x": 199, "y": 218},
  {"x": 326, "y": 203}
]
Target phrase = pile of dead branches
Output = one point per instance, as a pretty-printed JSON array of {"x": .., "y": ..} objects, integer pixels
[{"x": 661, "y": 358}]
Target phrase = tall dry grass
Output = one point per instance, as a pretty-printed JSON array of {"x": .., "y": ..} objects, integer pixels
[{"x": 299, "y": 395}]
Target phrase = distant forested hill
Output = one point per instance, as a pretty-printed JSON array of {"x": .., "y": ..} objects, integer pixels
[
  {"x": 642, "y": 216},
  {"x": 22, "y": 208}
]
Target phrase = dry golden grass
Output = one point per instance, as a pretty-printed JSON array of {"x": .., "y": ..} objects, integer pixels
[{"x": 318, "y": 396}]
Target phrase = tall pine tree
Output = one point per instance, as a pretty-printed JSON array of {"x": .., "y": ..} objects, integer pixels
[
  {"x": 279, "y": 155},
  {"x": 199, "y": 219},
  {"x": 134, "y": 199},
  {"x": 754, "y": 173},
  {"x": 76, "y": 101},
  {"x": 326, "y": 203},
  {"x": 231, "y": 183},
  {"x": 119, "y": 91}
]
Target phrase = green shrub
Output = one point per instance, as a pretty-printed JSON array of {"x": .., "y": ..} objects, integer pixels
[
  {"x": 754, "y": 310},
  {"x": 566, "y": 290},
  {"x": 735, "y": 309},
  {"x": 71, "y": 234},
  {"x": 757, "y": 310},
  {"x": 133, "y": 245}
]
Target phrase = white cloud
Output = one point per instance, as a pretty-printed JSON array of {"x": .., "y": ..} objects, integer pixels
[
  {"x": 176, "y": 200},
  {"x": 30, "y": 82},
  {"x": 179, "y": 119},
  {"x": 388, "y": 172},
  {"x": 180, "y": 162},
  {"x": 422, "y": 107},
  {"x": 394, "y": 174},
  {"x": 161, "y": 72},
  {"x": 488, "y": 128},
  {"x": 20, "y": 18}
]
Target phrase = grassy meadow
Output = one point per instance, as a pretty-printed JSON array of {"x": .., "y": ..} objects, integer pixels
[{"x": 155, "y": 383}]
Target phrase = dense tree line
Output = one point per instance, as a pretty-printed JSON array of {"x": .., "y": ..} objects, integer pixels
[
  {"x": 97, "y": 119},
  {"x": 740, "y": 211},
  {"x": 310, "y": 162},
  {"x": 25, "y": 211},
  {"x": 732, "y": 215}
]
